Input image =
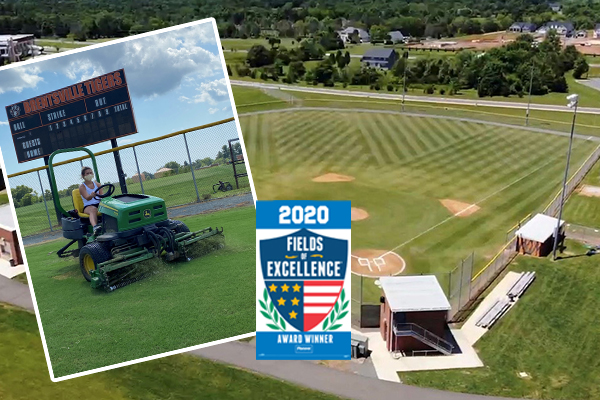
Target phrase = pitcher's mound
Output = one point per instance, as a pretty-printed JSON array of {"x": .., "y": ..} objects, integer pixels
[
  {"x": 358, "y": 214},
  {"x": 590, "y": 191},
  {"x": 371, "y": 262},
  {"x": 458, "y": 208},
  {"x": 333, "y": 178}
]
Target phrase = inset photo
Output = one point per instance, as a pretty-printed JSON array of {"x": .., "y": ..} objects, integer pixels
[{"x": 127, "y": 172}]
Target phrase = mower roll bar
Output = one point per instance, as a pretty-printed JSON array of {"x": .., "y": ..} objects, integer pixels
[{"x": 55, "y": 198}]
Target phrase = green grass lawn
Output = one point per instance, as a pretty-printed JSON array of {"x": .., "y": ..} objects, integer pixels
[
  {"x": 175, "y": 190},
  {"x": 249, "y": 100},
  {"x": 246, "y": 44},
  {"x": 182, "y": 377},
  {"x": 186, "y": 304},
  {"x": 403, "y": 166},
  {"x": 552, "y": 334},
  {"x": 584, "y": 210}
]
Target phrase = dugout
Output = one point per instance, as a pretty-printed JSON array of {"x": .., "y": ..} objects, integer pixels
[
  {"x": 413, "y": 315},
  {"x": 536, "y": 237}
]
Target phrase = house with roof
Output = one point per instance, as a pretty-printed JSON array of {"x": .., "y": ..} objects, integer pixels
[
  {"x": 581, "y": 34},
  {"x": 522, "y": 27},
  {"x": 597, "y": 31},
  {"x": 561, "y": 28},
  {"x": 398, "y": 37},
  {"x": 363, "y": 36},
  {"x": 556, "y": 7},
  {"x": 163, "y": 172},
  {"x": 380, "y": 58}
]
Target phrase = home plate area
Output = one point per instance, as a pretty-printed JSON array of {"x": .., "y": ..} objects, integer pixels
[{"x": 372, "y": 262}]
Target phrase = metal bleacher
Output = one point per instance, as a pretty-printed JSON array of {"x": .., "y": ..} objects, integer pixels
[{"x": 502, "y": 305}]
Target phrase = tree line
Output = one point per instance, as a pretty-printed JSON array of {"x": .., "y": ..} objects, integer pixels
[
  {"x": 502, "y": 71},
  {"x": 83, "y": 19}
]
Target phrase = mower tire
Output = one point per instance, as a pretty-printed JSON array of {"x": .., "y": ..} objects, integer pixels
[
  {"x": 90, "y": 256},
  {"x": 180, "y": 227}
]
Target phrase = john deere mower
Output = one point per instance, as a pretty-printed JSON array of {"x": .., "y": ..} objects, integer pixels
[{"x": 134, "y": 228}]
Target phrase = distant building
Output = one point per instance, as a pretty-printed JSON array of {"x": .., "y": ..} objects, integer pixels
[
  {"x": 556, "y": 7},
  {"x": 363, "y": 35},
  {"x": 562, "y": 28},
  {"x": 136, "y": 178},
  {"x": 380, "y": 58},
  {"x": 398, "y": 37},
  {"x": 597, "y": 31},
  {"x": 522, "y": 27},
  {"x": 162, "y": 172},
  {"x": 10, "y": 250},
  {"x": 581, "y": 34}
]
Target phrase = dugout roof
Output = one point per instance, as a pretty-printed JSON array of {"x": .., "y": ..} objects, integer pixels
[
  {"x": 6, "y": 218},
  {"x": 539, "y": 228},
  {"x": 414, "y": 293}
]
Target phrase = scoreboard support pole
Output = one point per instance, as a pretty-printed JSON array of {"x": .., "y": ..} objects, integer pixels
[
  {"x": 54, "y": 193},
  {"x": 119, "y": 166}
]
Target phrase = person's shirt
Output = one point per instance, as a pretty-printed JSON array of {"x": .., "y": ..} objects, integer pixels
[{"x": 89, "y": 191}]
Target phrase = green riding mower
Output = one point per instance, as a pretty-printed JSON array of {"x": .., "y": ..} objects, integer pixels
[{"x": 133, "y": 228}]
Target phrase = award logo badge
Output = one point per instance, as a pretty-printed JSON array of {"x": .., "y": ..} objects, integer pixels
[{"x": 303, "y": 280}]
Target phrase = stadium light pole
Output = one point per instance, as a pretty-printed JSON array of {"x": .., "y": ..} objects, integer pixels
[
  {"x": 405, "y": 56},
  {"x": 529, "y": 98},
  {"x": 573, "y": 103}
]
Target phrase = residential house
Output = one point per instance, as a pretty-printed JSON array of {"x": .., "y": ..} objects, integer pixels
[
  {"x": 581, "y": 34},
  {"x": 398, "y": 37},
  {"x": 597, "y": 31},
  {"x": 163, "y": 172},
  {"x": 363, "y": 35},
  {"x": 556, "y": 7},
  {"x": 562, "y": 28},
  {"x": 522, "y": 27},
  {"x": 380, "y": 58}
]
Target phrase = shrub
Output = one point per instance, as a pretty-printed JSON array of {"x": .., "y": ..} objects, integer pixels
[
  {"x": 442, "y": 91},
  {"x": 206, "y": 196}
]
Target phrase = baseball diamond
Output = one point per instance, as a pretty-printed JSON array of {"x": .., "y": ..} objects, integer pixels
[{"x": 399, "y": 168}]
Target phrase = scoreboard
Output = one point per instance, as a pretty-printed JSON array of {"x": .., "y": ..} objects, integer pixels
[{"x": 82, "y": 114}]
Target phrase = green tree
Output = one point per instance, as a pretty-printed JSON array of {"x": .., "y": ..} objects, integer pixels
[
  {"x": 581, "y": 68},
  {"x": 259, "y": 56},
  {"x": 19, "y": 192},
  {"x": 174, "y": 165}
]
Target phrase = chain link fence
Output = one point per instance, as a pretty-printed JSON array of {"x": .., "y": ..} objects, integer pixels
[{"x": 181, "y": 168}]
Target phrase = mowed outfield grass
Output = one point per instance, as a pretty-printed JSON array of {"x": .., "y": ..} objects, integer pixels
[
  {"x": 175, "y": 190},
  {"x": 585, "y": 210},
  {"x": 402, "y": 167},
  {"x": 551, "y": 334},
  {"x": 25, "y": 374},
  {"x": 187, "y": 303}
]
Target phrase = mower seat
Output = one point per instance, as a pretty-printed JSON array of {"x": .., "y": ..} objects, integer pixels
[{"x": 78, "y": 204}]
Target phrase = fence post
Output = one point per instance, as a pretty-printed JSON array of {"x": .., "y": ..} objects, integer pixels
[
  {"x": 45, "y": 205},
  {"x": 138, "y": 169},
  {"x": 191, "y": 167},
  {"x": 462, "y": 265}
]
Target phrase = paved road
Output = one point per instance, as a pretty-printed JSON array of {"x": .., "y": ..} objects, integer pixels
[
  {"x": 303, "y": 373},
  {"x": 411, "y": 114},
  {"x": 421, "y": 99}
]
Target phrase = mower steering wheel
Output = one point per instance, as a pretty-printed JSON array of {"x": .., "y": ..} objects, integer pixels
[{"x": 111, "y": 190}]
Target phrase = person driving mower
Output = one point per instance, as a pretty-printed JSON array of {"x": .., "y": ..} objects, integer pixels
[{"x": 89, "y": 191}]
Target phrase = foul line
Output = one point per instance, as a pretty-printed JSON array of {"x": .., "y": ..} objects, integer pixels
[{"x": 472, "y": 205}]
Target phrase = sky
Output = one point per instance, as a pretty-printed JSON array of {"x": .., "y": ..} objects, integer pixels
[{"x": 176, "y": 81}]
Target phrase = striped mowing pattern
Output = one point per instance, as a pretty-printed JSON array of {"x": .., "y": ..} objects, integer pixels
[{"x": 403, "y": 165}]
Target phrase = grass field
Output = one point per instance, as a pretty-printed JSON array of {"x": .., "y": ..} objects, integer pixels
[
  {"x": 182, "y": 377},
  {"x": 188, "y": 303},
  {"x": 403, "y": 166},
  {"x": 583, "y": 210},
  {"x": 552, "y": 334},
  {"x": 175, "y": 190}
]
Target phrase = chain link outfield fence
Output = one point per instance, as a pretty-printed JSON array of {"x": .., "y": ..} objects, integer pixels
[
  {"x": 460, "y": 285},
  {"x": 180, "y": 168}
]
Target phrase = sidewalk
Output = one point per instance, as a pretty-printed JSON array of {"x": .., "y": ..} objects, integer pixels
[{"x": 15, "y": 293}]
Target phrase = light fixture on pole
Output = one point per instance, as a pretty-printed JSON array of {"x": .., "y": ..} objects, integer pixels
[{"x": 573, "y": 103}]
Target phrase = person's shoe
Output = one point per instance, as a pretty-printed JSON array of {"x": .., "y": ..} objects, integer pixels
[{"x": 97, "y": 229}]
